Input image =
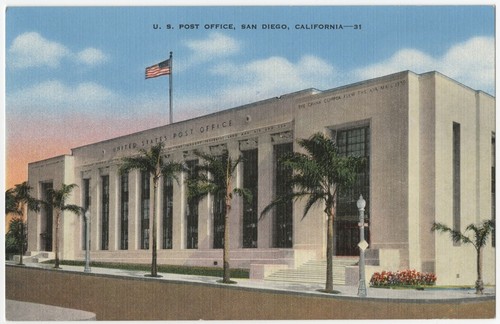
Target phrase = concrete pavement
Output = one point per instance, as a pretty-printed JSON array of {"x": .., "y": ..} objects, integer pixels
[{"x": 23, "y": 311}]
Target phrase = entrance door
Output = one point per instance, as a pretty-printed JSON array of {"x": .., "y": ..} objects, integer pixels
[{"x": 347, "y": 237}]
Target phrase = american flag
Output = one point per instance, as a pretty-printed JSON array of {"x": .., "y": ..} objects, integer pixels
[{"x": 162, "y": 68}]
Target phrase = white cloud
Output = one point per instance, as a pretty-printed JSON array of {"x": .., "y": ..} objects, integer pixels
[
  {"x": 92, "y": 56},
  {"x": 405, "y": 59},
  {"x": 471, "y": 62},
  {"x": 33, "y": 50},
  {"x": 263, "y": 79},
  {"x": 56, "y": 97},
  {"x": 216, "y": 46}
]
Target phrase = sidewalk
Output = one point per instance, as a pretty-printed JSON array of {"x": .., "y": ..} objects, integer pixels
[
  {"x": 429, "y": 295},
  {"x": 23, "y": 311}
]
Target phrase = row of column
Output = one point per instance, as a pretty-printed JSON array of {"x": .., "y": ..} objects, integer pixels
[{"x": 266, "y": 176}]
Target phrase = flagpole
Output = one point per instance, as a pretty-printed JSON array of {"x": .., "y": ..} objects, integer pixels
[{"x": 171, "y": 120}]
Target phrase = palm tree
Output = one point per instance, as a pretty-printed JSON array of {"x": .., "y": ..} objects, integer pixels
[
  {"x": 10, "y": 202},
  {"x": 56, "y": 200},
  {"x": 481, "y": 234},
  {"x": 15, "y": 237},
  {"x": 154, "y": 163},
  {"x": 318, "y": 176},
  {"x": 215, "y": 176},
  {"x": 17, "y": 200}
]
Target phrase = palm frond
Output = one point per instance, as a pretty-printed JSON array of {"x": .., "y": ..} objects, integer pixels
[
  {"x": 11, "y": 205},
  {"x": 56, "y": 198},
  {"x": 314, "y": 198},
  {"x": 275, "y": 202},
  {"x": 171, "y": 170},
  {"x": 141, "y": 163},
  {"x": 19, "y": 197},
  {"x": 318, "y": 173},
  {"x": 481, "y": 232},
  {"x": 245, "y": 193},
  {"x": 74, "y": 209},
  {"x": 283, "y": 199},
  {"x": 456, "y": 236}
]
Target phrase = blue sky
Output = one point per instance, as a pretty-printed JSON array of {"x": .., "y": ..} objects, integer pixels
[{"x": 72, "y": 69}]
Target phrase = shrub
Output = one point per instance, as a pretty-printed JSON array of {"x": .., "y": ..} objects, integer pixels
[{"x": 402, "y": 278}]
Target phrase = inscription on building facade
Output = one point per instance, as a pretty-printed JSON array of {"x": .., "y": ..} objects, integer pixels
[
  {"x": 352, "y": 94},
  {"x": 203, "y": 129}
]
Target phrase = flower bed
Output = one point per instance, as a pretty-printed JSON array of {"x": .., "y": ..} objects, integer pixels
[{"x": 402, "y": 278}]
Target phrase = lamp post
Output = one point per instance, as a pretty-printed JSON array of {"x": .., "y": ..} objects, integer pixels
[
  {"x": 87, "y": 241},
  {"x": 361, "y": 203}
]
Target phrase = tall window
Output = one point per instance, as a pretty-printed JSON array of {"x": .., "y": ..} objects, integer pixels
[
  {"x": 456, "y": 179},
  {"x": 145, "y": 196},
  {"x": 105, "y": 213},
  {"x": 124, "y": 211},
  {"x": 250, "y": 182},
  {"x": 283, "y": 221},
  {"x": 352, "y": 142},
  {"x": 86, "y": 206},
  {"x": 192, "y": 214},
  {"x": 47, "y": 215},
  {"x": 219, "y": 214},
  {"x": 168, "y": 195}
]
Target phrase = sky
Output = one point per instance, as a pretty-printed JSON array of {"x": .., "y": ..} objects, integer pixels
[{"x": 75, "y": 75}]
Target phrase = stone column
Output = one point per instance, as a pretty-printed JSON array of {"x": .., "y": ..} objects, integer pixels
[
  {"x": 95, "y": 191},
  {"x": 266, "y": 193},
  {"x": 179, "y": 209},
  {"x": 236, "y": 213}
]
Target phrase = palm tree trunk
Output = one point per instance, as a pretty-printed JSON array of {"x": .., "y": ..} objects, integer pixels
[
  {"x": 56, "y": 249},
  {"x": 154, "y": 266},
  {"x": 479, "y": 281},
  {"x": 329, "y": 254},
  {"x": 21, "y": 241},
  {"x": 225, "y": 255}
]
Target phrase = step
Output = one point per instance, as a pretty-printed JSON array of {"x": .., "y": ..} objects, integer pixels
[
  {"x": 314, "y": 271},
  {"x": 36, "y": 257}
]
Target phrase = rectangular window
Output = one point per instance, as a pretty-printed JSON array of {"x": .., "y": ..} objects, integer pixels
[
  {"x": 105, "y": 213},
  {"x": 145, "y": 196},
  {"x": 192, "y": 213},
  {"x": 47, "y": 219},
  {"x": 124, "y": 211},
  {"x": 283, "y": 221},
  {"x": 168, "y": 198},
  {"x": 219, "y": 214},
  {"x": 456, "y": 179},
  {"x": 352, "y": 142},
  {"x": 86, "y": 206},
  {"x": 250, "y": 213}
]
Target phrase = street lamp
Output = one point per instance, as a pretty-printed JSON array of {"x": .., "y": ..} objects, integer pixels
[
  {"x": 361, "y": 203},
  {"x": 87, "y": 241}
]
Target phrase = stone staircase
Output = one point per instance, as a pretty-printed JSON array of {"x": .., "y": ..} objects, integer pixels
[
  {"x": 36, "y": 257},
  {"x": 314, "y": 271}
]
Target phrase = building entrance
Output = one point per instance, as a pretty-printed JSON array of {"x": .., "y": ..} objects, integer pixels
[{"x": 347, "y": 237}]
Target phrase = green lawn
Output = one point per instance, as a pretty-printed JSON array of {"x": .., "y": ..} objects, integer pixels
[{"x": 188, "y": 270}]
